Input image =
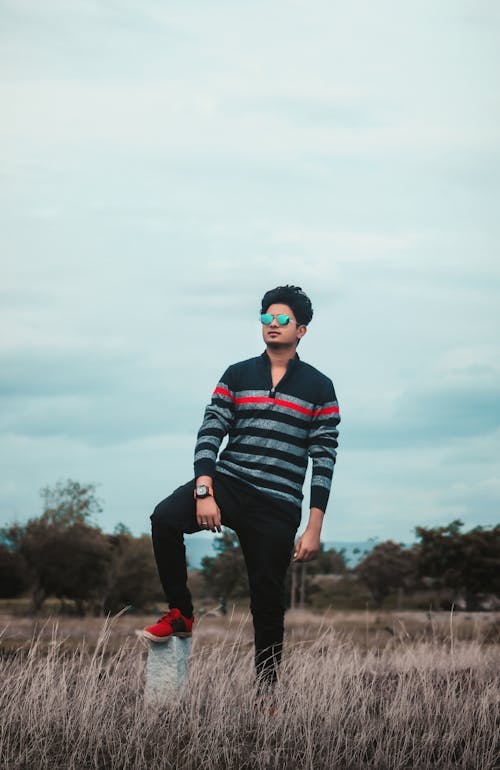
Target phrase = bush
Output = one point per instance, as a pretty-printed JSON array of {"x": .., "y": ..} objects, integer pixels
[
  {"x": 14, "y": 576},
  {"x": 340, "y": 592}
]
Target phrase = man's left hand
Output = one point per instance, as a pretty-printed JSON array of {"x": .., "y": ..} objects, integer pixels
[{"x": 307, "y": 546}]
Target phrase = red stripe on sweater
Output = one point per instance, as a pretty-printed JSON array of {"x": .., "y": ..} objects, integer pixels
[
  {"x": 224, "y": 392},
  {"x": 327, "y": 410},
  {"x": 278, "y": 401}
]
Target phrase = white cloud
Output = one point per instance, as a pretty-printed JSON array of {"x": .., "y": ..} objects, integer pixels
[{"x": 360, "y": 83}]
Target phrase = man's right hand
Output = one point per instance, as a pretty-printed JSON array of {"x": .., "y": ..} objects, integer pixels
[{"x": 208, "y": 514}]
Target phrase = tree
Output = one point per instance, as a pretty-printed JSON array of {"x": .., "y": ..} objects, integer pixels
[
  {"x": 133, "y": 575},
  {"x": 440, "y": 552},
  {"x": 481, "y": 563},
  {"x": 14, "y": 578},
  {"x": 69, "y": 562},
  {"x": 65, "y": 556},
  {"x": 467, "y": 563},
  {"x": 226, "y": 573},
  {"x": 330, "y": 562},
  {"x": 69, "y": 502},
  {"x": 300, "y": 582},
  {"x": 386, "y": 568}
]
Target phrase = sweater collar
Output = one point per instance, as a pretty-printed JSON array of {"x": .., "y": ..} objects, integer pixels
[{"x": 291, "y": 363}]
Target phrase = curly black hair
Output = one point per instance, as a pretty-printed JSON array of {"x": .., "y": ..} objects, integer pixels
[{"x": 294, "y": 297}]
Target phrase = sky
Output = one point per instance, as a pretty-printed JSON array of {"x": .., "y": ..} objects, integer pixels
[{"x": 165, "y": 164}]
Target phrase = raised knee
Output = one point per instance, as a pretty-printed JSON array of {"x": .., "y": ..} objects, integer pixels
[{"x": 160, "y": 515}]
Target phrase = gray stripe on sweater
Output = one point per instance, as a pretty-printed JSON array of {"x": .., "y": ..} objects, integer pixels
[
  {"x": 258, "y": 474},
  {"x": 258, "y": 442},
  {"x": 266, "y": 423}
]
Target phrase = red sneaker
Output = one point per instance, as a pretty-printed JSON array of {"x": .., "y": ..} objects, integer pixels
[{"x": 172, "y": 624}]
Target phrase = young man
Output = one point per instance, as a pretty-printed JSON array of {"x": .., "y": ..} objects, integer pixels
[{"x": 278, "y": 411}]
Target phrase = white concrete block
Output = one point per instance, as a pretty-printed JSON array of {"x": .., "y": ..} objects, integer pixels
[{"x": 166, "y": 669}]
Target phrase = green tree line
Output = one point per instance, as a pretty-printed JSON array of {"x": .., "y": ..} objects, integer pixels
[{"x": 63, "y": 553}]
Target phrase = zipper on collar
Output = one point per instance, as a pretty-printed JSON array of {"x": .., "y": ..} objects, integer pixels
[{"x": 290, "y": 366}]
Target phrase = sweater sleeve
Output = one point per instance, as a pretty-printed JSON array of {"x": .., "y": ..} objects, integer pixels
[
  {"x": 218, "y": 418},
  {"x": 322, "y": 447}
]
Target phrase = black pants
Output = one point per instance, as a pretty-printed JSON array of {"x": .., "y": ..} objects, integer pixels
[{"x": 266, "y": 531}]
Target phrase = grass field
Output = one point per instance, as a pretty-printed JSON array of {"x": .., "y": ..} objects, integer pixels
[{"x": 357, "y": 690}]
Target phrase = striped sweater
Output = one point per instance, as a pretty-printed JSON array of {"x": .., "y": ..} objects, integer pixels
[{"x": 272, "y": 431}]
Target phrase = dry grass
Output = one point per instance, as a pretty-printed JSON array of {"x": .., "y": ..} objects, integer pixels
[
  {"x": 419, "y": 699},
  {"x": 367, "y": 629}
]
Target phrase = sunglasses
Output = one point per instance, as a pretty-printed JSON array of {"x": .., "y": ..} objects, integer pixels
[{"x": 282, "y": 318}]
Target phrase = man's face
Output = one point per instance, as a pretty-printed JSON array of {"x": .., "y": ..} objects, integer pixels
[{"x": 278, "y": 336}]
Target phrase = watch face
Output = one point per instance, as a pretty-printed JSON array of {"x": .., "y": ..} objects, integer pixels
[{"x": 201, "y": 490}]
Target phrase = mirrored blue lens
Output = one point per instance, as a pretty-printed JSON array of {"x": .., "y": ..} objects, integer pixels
[{"x": 267, "y": 318}]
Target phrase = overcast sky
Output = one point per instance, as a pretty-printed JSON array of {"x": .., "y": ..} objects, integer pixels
[{"x": 165, "y": 163}]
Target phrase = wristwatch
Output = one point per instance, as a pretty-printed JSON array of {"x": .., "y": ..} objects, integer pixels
[{"x": 201, "y": 491}]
